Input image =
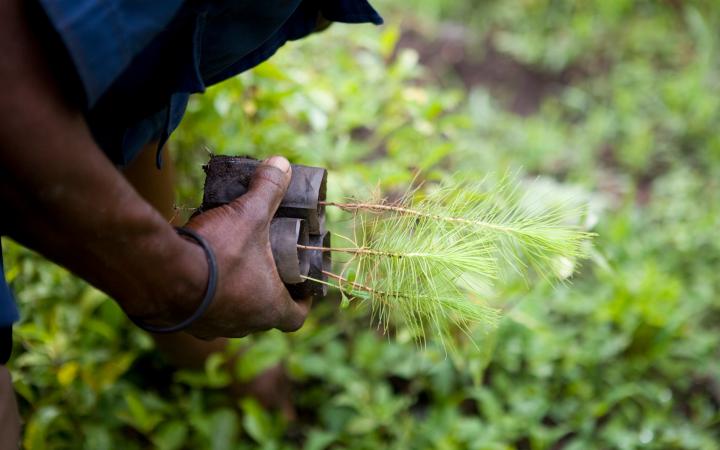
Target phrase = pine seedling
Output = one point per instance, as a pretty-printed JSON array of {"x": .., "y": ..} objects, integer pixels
[{"x": 426, "y": 262}]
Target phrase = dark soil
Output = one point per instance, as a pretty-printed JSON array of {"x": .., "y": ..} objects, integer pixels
[
  {"x": 452, "y": 54},
  {"x": 455, "y": 56}
]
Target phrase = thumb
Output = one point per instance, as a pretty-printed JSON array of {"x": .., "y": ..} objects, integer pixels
[{"x": 267, "y": 188}]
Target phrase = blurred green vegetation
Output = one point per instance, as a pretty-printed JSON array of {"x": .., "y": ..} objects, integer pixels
[{"x": 624, "y": 113}]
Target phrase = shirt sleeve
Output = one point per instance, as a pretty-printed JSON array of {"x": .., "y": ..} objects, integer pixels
[
  {"x": 103, "y": 36},
  {"x": 8, "y": 310}
]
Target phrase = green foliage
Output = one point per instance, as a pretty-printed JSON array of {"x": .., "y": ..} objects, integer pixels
[
  {"x": 427, "y": 263},
  {"x": 624, "y": 356}
]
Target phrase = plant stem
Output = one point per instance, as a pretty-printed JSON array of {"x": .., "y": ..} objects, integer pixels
[
  {"x": 402, "y": 210},
  {"x": 355, "y": 250},
  {"x": 362, "y": 287},
  {"x": 345, "y": 280},
  {"x": 379, "y": 294}
]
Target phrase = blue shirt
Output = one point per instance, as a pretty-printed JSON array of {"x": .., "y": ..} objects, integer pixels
[
  {"x": 8, "y": 310},
  {"x": 137, "y": 62}
]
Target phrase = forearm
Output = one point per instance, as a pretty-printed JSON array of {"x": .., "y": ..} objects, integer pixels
[
  {"x": 137, "y": 259},
  {"x": 63, "y": 197}
]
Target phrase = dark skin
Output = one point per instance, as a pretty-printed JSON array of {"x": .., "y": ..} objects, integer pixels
[
  {"x": 272, "y": 387},
  {"x": 62, "y": 197}
]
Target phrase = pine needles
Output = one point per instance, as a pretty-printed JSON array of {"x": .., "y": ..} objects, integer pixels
[{"x": 424, "y": 263}]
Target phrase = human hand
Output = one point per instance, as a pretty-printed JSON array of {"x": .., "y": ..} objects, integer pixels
[{"x": 250, "y": 295}]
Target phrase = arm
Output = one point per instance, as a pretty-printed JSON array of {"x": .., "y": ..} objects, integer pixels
[{"x": 62, "y": 197}]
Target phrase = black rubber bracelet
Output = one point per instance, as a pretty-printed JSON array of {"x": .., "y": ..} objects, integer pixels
[{"x": 209, "y": 290}]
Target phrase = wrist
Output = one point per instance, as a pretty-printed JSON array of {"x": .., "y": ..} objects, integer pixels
[
  {"x": 190, "y": 282},
  {"x": 175, "y": 288}
]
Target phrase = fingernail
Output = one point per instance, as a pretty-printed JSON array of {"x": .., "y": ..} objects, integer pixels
[{"x": 278, "y": 162}]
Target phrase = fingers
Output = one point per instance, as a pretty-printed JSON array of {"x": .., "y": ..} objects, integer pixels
[
  {"x": 266, "y": 190},
  {"x": 272, "y": 306},
  {"x": 295, "y": 315}
]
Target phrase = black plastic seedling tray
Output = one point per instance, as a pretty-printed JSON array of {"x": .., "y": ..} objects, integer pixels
[
  {"x": 320, "y": 263},
  {"x": 285, "y": 235}
]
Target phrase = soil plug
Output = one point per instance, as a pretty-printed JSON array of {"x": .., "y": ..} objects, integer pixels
[{"x": 228, "y": 177}]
